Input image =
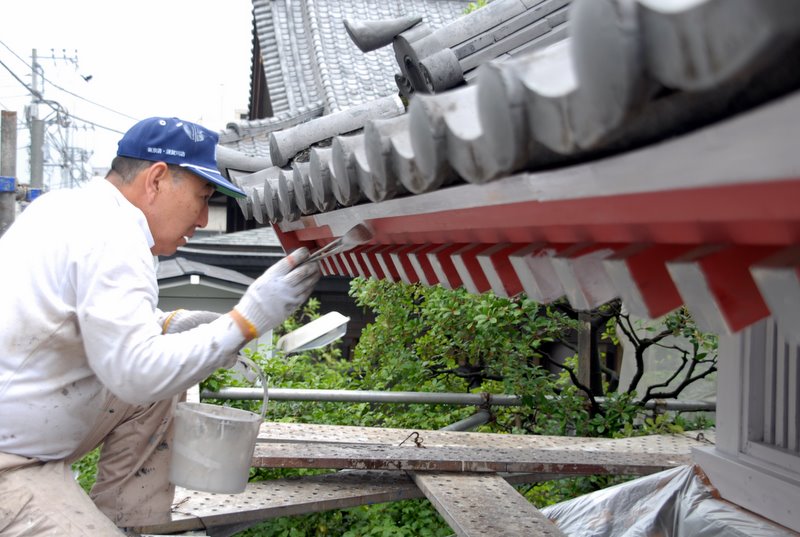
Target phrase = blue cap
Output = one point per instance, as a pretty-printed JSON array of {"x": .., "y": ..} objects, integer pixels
[{"x": 179, "y": 142}]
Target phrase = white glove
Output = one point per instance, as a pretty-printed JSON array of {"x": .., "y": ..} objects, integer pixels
[
  {"x": 278, "y": 292},
  {"x": 182, "y": 320}
]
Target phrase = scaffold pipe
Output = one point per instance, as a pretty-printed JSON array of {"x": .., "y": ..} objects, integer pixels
[{"x": 425, "y": 398}]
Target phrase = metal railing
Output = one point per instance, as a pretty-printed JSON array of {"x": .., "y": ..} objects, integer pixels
[{"x": 466, "y": 399}]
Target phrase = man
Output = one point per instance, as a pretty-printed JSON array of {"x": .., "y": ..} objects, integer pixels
[{"x": 87, "y": 359}]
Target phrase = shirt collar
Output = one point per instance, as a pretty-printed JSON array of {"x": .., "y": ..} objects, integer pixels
[{"x": 124, "y": 204}]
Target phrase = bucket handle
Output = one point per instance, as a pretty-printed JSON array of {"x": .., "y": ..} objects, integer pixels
[{"x": 250, "y": 364}]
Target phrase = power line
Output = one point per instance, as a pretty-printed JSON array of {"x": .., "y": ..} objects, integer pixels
[
  {"x": 70, "y": 160},
  {"x": 70, "y": 92},
  {"x": 18, "y": 79},
  {"x": 93, "y": 124},
  {"x": 55, "y": 105}
]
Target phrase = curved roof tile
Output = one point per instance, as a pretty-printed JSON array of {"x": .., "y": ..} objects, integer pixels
[{"x": 562, "y": 166}]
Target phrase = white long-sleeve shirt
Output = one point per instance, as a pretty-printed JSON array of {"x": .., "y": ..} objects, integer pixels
[{"x": 78, "y": 296}]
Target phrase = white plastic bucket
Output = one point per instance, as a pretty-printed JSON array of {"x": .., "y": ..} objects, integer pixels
[{"x": 212, "y": 449}]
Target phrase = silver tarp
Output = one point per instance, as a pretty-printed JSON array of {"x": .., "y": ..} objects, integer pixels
[{"x": 673, "y": 503}]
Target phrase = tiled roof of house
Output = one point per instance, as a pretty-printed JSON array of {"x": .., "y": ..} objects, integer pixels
[
  {"x": 247, "y": 252},
  {"x": 614, "y": 126},
  {"x": 262, "y": 237},
  {"x": 180, "y": 267}
]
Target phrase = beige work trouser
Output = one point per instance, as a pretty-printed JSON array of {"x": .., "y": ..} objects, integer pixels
[{"x": 132, "y": 488}]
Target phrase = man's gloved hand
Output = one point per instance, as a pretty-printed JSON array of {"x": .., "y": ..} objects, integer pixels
[
  {"x": 278, "y": 292},
  {"x": 182, "y": 320}
]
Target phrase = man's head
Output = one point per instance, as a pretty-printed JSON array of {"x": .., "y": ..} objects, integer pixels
[
  {"x": 178, "y": 142},
  {"x": 167, "y": 168}
]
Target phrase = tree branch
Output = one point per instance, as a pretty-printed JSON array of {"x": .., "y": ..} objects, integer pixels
[
  {"x": 639, "y": 349},
  {"x": 684, "y": 362},
  {"x": 596, "y": 408},
  {"x": 686, "y": 382},
  {"x": 624, "y": 323}
]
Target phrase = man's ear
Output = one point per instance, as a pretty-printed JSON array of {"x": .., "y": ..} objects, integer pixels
[{"x": 155, "y": 180}]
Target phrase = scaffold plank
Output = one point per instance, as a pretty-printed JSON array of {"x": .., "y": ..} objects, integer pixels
[
  {"x": 284, "y": 497},
  {"x": 277, "y": 432},
  {"x": 463, "y": 459},
  {"x": 342, "y": 434},
  {"x": 333, "y": 434},
  {"x": 264, "y": 500},
  {"x": 476, "y": 505}
]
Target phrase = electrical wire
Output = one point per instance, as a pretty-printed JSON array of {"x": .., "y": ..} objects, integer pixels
[
  {"x": 55, "y": 105},
  {"x": 68, "y": 91},
  {"x": 57, "y": 108},
  {"x": 93, "y": 124},
  {"x": 89, "y": 101},
  {"x": 33, "y": 92}
]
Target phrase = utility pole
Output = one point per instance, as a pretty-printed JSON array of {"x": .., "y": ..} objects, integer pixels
[
  {"x": 8, "y": 169},
  {"x": 72, "y": 161},
  {"x": 36, "y": 125}
]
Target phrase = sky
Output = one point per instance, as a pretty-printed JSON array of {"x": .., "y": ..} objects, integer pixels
[{"x": 111, "y": 63}]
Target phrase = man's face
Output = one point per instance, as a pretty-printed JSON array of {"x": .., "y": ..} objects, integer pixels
[{"x": 180, "y": 207}]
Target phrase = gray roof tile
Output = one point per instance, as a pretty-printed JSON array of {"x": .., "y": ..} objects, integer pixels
[
  {"x": 637, "y": 148},
  {"x": 287, "y": 143},
  {"x": 262, "y": 237},
  {"x": 179, "y": 267},
  {"x": 547, "y": 125},
  {"x": 598, "y": 91},
  {"x": 313, "y": 68}
]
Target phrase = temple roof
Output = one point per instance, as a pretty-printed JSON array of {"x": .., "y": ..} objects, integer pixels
[{"x": 590, "y": 149}]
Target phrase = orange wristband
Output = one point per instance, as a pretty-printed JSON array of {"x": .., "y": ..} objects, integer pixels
[
  {"x": 168, "y": 320},
  {"x": 252, "y": 333},
  {"x": 248, "y": 329}
]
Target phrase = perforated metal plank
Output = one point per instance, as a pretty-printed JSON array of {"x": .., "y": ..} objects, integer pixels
[
  {"x": 270, "y": 499},
  {"x": 483, "y": 504},
  {"x": 285, "y": 497},
  {"x": 461, "y": 459},
  {"x": 264, "y": 500},
  {"x": 668, "y": 445},
  {"x": 340, "y": 434},
  {"x": 343, "y": 434}
]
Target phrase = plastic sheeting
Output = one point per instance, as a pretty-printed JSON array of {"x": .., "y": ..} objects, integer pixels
[{"x": 677, "y": 502}]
